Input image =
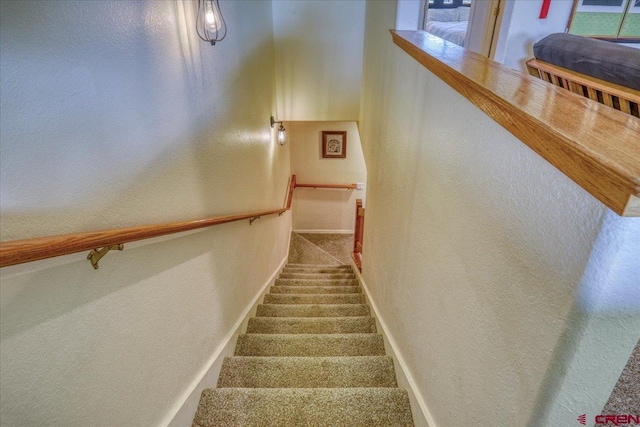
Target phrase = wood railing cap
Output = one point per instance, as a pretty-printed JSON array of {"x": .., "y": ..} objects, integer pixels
[{"x": 594, "y": 145}]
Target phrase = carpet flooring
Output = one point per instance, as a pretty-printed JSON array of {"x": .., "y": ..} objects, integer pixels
[{"x": 310, "y": 357}]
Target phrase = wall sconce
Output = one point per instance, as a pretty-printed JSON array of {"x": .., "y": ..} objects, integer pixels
[
  {"x": 210, "y": 24},
  {"x": 282, "y": 132}
]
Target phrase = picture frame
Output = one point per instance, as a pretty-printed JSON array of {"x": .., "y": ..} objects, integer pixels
[{"x": 334, "y": 144}]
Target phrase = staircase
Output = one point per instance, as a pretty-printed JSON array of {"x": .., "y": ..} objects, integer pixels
[{"x": 310, "y": 357}]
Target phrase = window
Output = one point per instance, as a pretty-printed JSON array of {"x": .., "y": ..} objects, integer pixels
[{"x": 617, "y": 20}]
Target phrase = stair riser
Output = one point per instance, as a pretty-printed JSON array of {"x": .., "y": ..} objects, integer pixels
[
  {"x": 301, "y": 325},
  {"x": 307, "y": 372},
  {"x": 319, "y": 310},
  {"x": 314, "y": 299},
  {"x": 316, "y": 282},
  {"x": 315, "y": 289},
  {"x": 310, "y": 345}
]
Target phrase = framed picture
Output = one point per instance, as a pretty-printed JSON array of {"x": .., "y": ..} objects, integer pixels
[{"x": 334, "y": 144}]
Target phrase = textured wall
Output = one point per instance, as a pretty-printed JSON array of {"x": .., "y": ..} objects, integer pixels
[
  {"x": 114, "y": 114},
  {"x": 323, "y": 209},
  {"x": 488, "y": 265},
  {"x": 318, "y": 58}
]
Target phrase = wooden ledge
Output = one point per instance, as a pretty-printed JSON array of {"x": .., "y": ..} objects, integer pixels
[{"x": 594, "y": 145}]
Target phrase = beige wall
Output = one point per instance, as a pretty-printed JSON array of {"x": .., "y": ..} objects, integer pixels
[
  {"x": 114, "y": 114},
  {"x": 496, "y": 275},
  {"x": 325, "y": 209},
  {"x": 318, "y": 58}
]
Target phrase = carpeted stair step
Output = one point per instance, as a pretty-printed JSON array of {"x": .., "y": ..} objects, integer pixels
[
  {"x": 307, "y": 372},
  {"x": 287, "y": 407},
  {"x": 315, "y": 289},
  {"x": 317, "y": 270},
  {"x": 314, "y": 299},
  {"x": 310, "y": 345},
  {"x": 287, "y": 270},
  {"x": 316, "y": 282},
  {"x": 312, "y": 310},
  {"x": 316, "y": 266},
  {"x": 321, "y": 276},
  {"x": 311, "y": 325}
]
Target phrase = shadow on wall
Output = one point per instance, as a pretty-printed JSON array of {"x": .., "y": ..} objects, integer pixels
[
  {"x": 178, "y": 150},
  {"x": 600, "y": 333}
]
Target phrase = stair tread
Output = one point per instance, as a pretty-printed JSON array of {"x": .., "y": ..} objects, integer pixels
[
  {"x": 317, "y": 282},
  {"x": 296, "y": 275},
  {"x": 307, "y": 372},
  {"x": 312, "y": 310},
  {"x": 293, "y": 265},
  {"x": 311, "y": 325},
  {"x": 310, "y": 345},
  {"x": 314, "y": 299},
  {"x": 288, "y": 407},
  {"x": 284, "y": 289}
]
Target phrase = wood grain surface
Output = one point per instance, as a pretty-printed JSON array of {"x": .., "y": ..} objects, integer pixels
[{"x": 596, "y": 146}]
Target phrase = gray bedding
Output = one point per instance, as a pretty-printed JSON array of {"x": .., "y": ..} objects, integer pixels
[{"x": 604, "y": 60}]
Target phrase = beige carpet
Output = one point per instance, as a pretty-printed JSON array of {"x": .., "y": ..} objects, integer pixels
[
  {"x": 320, "y": 248},
  {"x": 310, "y": 357}
]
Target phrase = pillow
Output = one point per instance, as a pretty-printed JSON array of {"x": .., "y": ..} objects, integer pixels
[
  {"x": 463, "y": 13},
  {"x": 442, "y": 15}
]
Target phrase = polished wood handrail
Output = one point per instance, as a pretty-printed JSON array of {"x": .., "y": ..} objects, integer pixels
[
  {"x": 345, "y": 186},
  {"x": 292, "y": 186},
  {"x": 27, "y": 250},
  {"x": 358, "y": 235},
  {"x": 596, "y": 146}
]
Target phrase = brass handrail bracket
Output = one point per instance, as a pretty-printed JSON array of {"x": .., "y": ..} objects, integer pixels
[
  {"x": 97, "y": 254},
  {"x": 253, "y": 219}
]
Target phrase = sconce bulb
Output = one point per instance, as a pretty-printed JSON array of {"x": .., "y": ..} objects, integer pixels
[{"x": 282, "y": 135}]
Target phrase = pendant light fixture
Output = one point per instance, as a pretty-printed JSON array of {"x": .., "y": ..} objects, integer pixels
[{"x": 210, "y": 24}]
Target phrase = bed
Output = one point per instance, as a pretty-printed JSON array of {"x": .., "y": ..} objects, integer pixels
[
  {"x": 603, "y": 71},
  {"x": 449, "y": 24}
]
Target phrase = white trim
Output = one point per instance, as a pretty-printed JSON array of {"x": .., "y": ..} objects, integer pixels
[
  {"x": 208, "y": 376},
  {"x": 421, "y": 414},
  {"x": 408, "y": 14},
  {"x": 324, "y": 231},
  {"x": 480, "y": 27}
]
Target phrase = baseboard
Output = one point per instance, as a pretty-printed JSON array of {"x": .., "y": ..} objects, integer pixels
[
  {"x": 421, "y": 415},
  {"x": 324, "y": 231},
  {"x": 183, "y": 417}
]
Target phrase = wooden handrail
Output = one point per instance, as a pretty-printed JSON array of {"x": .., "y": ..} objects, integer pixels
[
  {"x": 292, "y": 186},
  {"x": 358, "y": 235},
  {"x": 346, "y": 186},
  {"x": 27, "y": 250},
  {"x": 594, "y": 145}
]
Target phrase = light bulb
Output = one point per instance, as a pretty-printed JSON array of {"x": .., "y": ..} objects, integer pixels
[
  {"x": 282, "y": 135},
  {"x": 212, "y": 16}
]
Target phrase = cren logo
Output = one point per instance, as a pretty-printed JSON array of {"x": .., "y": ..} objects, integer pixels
[
  {"x": 618, "y": 419},
  {"x": 582, "y": 419}
]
